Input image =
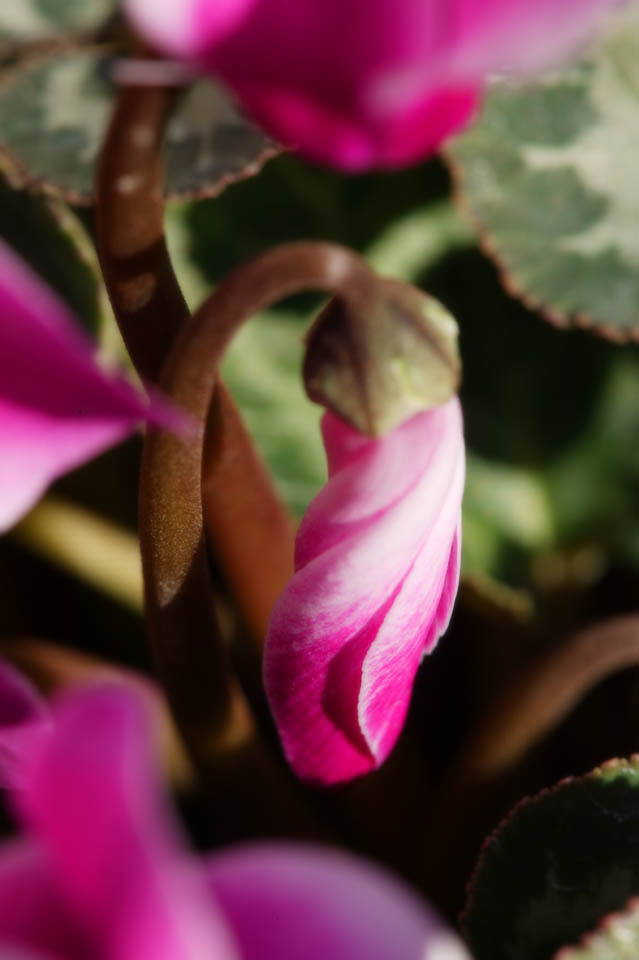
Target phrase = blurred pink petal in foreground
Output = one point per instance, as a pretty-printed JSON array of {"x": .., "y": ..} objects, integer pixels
[
  {"x": 102, "y": 872},
  {"x": 24, "y": 720},
  {"x": 365, "y": 82},
  {"x": 58, "y": 408},
  {"x": 377, "y": 568}
]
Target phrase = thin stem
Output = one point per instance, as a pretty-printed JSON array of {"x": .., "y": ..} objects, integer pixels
[
  {"x": 150, "y": 311},
  {"x": 145, "y": 294},
  {"x": 184, "y": 633},
  {"x": 547, "y": 692}
]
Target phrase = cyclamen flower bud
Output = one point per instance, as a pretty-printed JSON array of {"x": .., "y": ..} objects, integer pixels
[
  {"x": 377, "y": 363},
  {"x": 377, "y": 569},
  {"x": 368, "y": 82}
]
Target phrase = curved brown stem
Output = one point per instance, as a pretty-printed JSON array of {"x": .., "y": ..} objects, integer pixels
[
  {"x": 243, "y": 513},
  {"x": 145, "y": 294},
  {"x": 547, "y": 692},
  {"x": 184, "y": 634}
]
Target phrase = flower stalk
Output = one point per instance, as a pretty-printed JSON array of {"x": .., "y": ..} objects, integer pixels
[
  {"x": 185, "y": 638},
  {"x": 150, "y": 310}
]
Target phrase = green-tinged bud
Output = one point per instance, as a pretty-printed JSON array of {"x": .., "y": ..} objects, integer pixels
[{"x": 378, "y": 366}]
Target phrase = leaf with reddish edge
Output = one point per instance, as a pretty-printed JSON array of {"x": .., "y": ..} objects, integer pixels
[
  {"x": 54, "y": 111},
  {"x": 547, "y": 175},
  {"x": 558, "y": 863}
]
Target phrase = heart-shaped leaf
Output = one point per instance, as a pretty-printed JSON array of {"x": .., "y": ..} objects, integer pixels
[
  {"x": 549, "y": 176},
  {"x": 54, "y": 112},
  {"x": 558, "y": 864}
]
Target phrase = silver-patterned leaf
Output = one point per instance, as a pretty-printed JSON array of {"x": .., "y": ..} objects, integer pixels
[
  {"x": 28, "y": 20},
  {"x": 549, "y": 176},
  {"x": 53, "y": 116}
]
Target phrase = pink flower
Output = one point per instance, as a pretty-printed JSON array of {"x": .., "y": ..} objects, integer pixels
[
  {"x": 365, "y": 82},
  {"x": 57, "y": 407},
  {"x": 24, "y": 720},
  {"x": 101, "y": 872},
  {"x": 377, "y": 568}
]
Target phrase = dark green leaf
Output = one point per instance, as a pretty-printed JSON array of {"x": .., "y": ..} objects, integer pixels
[{"x": 559, "y": 863}]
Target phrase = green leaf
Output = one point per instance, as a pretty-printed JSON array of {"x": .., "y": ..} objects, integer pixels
[
  {"x": 53, "y": 117},
  {"x": 592, "y": 486},
  {"x": 25, "y": 20},
  {"x": 263, "y": 370},
  {"x": 616, "y": 939},
  {"x": 548, "y": 174},
  {"x": 557, "y": 864}
]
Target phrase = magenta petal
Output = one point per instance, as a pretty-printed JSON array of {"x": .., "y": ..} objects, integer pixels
[
  {"x": 94, "y": 800},
  {"x": 188, "y": 26},
  {"x": 288, "y": 902},
  {"x": 58, "y": 408},
  {"x": 367, "y": 82},
  {"x": 419, "y": 615},
  {"x": 517, "y": 36},
  {"x": 34, "y": 921},
  {"x": 478, "y": 39},
  {"x": 358, "y": 140},
  {"x": 12, "y": 952},
  {"x": 377, "y": 565},
  {"x": 24, "y": 721}
]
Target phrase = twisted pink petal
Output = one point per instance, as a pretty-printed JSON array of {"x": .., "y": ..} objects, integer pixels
[
  {"x": 58, "y": 408},
  {"x": 367, "y": 82},
  {"x": 377, "y": 567}
]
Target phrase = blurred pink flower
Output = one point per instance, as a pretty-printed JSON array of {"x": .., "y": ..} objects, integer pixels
[
  {"x": 24, "y": 720},
  {"x": 102, "y": 873},
  {"x": 58, "y": 408},
  {"x": 377, "y": 568},
  {"x": 364, "y": 83}
]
